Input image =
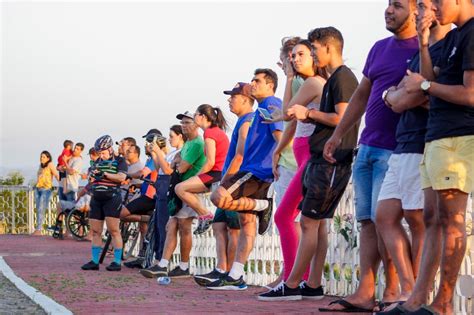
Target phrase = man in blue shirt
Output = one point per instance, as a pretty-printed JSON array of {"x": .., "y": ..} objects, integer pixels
[{"x": 247, "y": 190}]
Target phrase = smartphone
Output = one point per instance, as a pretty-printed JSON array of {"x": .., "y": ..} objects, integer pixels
[{"x": 265, "y": 114}]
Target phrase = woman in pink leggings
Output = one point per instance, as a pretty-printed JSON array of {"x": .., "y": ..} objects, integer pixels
[{"x": 309, "y": 94}]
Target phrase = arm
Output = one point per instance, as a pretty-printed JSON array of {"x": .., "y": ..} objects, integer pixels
[
  {"x": 118, "y": 178},
  {"x": 53, "y": 171},
  {"x": 311, "y": 90},
  {"x": 159, "y": 159},
  {"x": 75, "y": 168},
  {"x": 210, "y": 150},
  {"x": 399, "y": 100},
  {"x": 285, "y": 140},
  {"x": 423, "y": 29},
  {"x": 288, "y": 70},
  {"x": 234, "y": 165},
  {"x": 184, "y": 166}
]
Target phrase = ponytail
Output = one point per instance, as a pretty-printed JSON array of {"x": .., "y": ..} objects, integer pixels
[
  {"x": 220, "y": 119},
  {"x": 214, "y": 115}
]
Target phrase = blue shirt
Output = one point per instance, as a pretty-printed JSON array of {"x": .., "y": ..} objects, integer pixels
[
  {"x": 260, "y": 143},
  {"x": 146, "y": 188},
  {"x": 235, "y": 138}
]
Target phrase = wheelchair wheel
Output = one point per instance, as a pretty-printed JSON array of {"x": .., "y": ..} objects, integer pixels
[
  {"x": 130, "y": 236},
  {"x": 77, "y": 223}
]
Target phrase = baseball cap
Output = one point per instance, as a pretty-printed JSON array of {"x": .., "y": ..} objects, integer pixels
[
  {"x": 152, "y": 132},
  {"x": 186, "y": 114},
  {"x": 241, "y": 88}
]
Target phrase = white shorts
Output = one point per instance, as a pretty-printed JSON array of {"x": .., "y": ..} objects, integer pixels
[{"x": 403, "y": 181}]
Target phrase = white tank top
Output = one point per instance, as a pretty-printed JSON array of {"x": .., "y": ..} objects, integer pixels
[{"x": 305, "y": 129}]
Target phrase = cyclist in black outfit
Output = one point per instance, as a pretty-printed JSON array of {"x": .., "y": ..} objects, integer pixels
[{"x": 107, "y": 173}]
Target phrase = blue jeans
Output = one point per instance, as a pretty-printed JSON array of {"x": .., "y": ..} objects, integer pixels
[
  {"x": 42, "y": 198},
  {"x": 368, "y": 174},
  {"x": 161, "y": 213},
  {"x": 69, "y": 196}
]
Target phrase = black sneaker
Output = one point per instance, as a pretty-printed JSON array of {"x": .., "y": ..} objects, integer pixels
[
  {"x": 154, "y": 272},
  {"x": 281, "y": 293},
  {"x": 137, "y": 263},
  {"x": 228, "y": 283},
  {"x": 203, "y": 225},
  {"x": 265, "y": 218},
  {"x": 204, "y": 280},
  {"x": 90, "y": 266},
  {"x": 310, "y": 293},
  {"x": 178, "y": 273},
  {"x": 114, "y": 266}
]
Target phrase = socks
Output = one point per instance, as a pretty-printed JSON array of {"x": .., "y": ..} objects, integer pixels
[
  {"x": 260, "y": 205},
  {"x": 220, "y": 270},
  {"x": 237, "y": 270},
  {"x": 163, "y": 263},
  {"x": 118, "y": 256},
  {"x": 96, "y": 250},
  {"x": 184, "y": 265}
]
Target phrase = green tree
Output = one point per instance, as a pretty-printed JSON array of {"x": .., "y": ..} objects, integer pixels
[{"x": 12, "y": 179}]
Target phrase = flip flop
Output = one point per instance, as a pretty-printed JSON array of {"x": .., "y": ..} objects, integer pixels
[
  {"x": 398, "y": 310},
  {"x": 382, "y": 306},
  {"x": 348, "y": 308},
  {"x": 424, "y": 310}
]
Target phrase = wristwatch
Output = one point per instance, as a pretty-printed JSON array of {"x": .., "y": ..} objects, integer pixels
[
  {"x": 425, "y": 87},
  {"x": 384, "y": 98}
]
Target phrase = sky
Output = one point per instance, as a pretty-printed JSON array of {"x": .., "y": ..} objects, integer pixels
[{"x": 80, "y": 69}]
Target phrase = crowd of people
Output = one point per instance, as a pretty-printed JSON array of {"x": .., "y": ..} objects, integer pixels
[{"x": 414, "y": 160}]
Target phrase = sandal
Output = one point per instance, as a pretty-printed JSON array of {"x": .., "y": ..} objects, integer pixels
[{"x": 348, "y": 308}]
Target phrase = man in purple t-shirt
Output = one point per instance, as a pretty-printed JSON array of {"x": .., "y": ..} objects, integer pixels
[{"x": 385, "y": 66}]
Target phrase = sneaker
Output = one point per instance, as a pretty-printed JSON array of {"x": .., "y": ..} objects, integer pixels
[
  {"x": 154, "y": 272},
  {"x": 265, "y": 218},
  {"x": 281, "y": 293},
  {"x": 178, "y": 273},
  {"x": 114, "y": 266},
  {"x": 228, "y": 283},
  {"x": 310, "y": 293},
  {"x": 205, "y": 279},
  {"x": 137, "y": 263},
  {"x": 204, "y": 223},
  {"x": 90, "y": 266}
]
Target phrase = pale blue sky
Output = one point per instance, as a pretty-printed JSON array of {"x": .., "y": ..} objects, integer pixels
[{"x": 79, "y": 69}]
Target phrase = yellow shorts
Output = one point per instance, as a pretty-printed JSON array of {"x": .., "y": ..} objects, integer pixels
[{"x": 448, "y": 163}]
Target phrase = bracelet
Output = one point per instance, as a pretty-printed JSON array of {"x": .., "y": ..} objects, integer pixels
[{"x": 307, "y": 113}]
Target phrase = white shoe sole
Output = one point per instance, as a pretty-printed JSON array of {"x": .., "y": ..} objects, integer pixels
[
  {"x": 314, "y": 298},
  {"x": 280, "y": 298},
  {"x": 228, "y": 288}
]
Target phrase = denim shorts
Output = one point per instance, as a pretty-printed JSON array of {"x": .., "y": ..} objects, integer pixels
[{"x": 368, "y": 173}]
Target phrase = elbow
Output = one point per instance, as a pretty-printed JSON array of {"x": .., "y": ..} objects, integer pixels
[{"x": 470, "y": 99}]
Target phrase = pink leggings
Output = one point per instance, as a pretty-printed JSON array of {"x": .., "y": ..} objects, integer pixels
[{"x": 287, "y": 210}]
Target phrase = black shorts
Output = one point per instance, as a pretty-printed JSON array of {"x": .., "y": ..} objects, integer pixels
[
  {"x": 143, "y": 205},
  {"x": 323, "y": 187},
  {"x": 245, "y": 184},
  {"x": 105, "y": 204},
  {"x": 210, "y": 178}
]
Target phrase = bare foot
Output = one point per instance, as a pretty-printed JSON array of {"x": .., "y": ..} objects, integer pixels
[{"x": 37, "y": 233}]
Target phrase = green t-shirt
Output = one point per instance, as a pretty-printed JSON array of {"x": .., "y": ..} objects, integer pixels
[{"x": 193, "y": 153}]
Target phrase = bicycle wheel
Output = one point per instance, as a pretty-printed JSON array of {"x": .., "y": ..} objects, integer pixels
[
  {"x": 130, "y": 236},
  {"x": 149, "y": 241},
  {"x": 77, "y": 223}
]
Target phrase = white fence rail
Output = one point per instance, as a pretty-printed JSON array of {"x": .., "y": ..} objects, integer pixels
[{"x": 341, "y": 275}]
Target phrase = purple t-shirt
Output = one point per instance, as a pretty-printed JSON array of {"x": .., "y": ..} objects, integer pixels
[{"x": 385, "y": 66}]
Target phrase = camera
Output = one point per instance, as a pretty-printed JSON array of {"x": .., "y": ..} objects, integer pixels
[{"x": 160, "y": 141}]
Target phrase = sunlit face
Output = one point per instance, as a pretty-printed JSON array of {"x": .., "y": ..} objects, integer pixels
[
  {"x": 302, "y": 60},
  {"x": 425, "y": 8},
  {"x": 43, "y": 158},
  {"x": 398, "y": 16},
  {"x": 445, "y": 11},
  {"x": 260, "y": 87},
  {"x": 104, "y": 154},
  {"x": 77, "y": 151},
  {"x": 124, "y": 145},
  {"x": 174, "y": 139},
  {"x": 199, "y": 119},
  {"x": 237, "y": 103},
  {"x": 131, "y": 154},
  {"x": 188, "y": 125},
  {"x": 321, "y": 54}
]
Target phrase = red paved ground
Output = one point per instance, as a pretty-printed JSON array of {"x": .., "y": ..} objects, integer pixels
[{"x": 53, "y": 267}]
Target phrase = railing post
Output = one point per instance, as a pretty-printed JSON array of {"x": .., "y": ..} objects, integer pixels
[
  {"x": 31, "y": 220},
  {"x": 13, "y": 211}
]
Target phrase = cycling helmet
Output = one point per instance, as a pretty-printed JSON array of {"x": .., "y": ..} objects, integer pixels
[{"x": 103, "y": 143}]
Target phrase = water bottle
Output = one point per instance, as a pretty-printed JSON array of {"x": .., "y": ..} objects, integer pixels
[{"x": 164, "y": 280}]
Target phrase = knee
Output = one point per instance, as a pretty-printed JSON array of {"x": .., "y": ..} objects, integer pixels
[
  {"x": 307, "y": 224},
  {"x": 219, "y": 229},
  {"x": 171, "y": 226},
  {"x": 179, "y": 189},
  {"x": 415, "y": 221},
  {"x": 219, "y": 196},
  {"x": 184, "y": 229}
]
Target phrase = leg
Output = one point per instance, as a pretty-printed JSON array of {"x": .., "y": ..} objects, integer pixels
[
  {"x": 39, "y": 210},
  {"x": 431, "y": 254},
  {"x": 113, "y": 226},
  {"x": 232, "y": 241},
  {"x": 171, "y": 238},
  {"x": 395, "y": 240},
  {"x": 317, "y": 263},
  {"x": 186, "y": 238},
  {"x": 96, "y": 228},
  {"x": 306, "y": 250},
  {"x": 187, "y": 191},
  {"x": 220, "y": 234},
  {"x": 414, "y": 219},
  {"x": 452, "y": 205}
]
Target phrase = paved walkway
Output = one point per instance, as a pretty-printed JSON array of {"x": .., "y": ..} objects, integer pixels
[
  {"x": 53, "y": 267},
  {"x": 14, "y": 302}
]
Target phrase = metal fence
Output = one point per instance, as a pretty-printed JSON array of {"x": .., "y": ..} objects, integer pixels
[{"x": 341, "y": 274}]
